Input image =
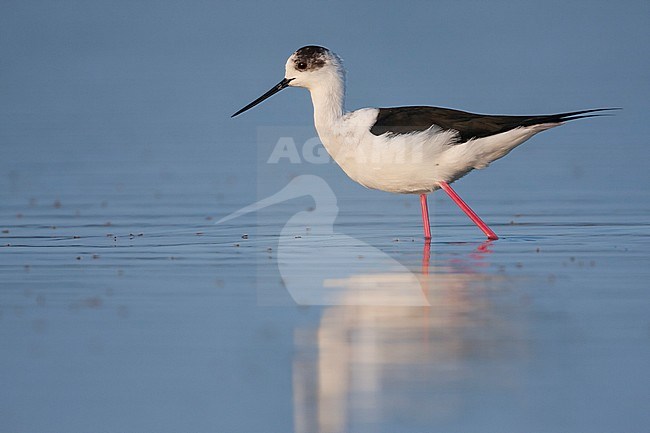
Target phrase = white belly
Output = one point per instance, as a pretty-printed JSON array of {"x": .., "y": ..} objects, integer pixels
[{"x": 416, "y": 163}]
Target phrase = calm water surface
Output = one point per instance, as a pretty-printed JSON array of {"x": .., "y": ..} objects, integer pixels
[{"x": 123, "y": 307}]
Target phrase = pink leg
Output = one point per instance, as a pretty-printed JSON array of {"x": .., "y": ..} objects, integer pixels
[
  {"x": 425, "y": 216},
  {"x": 470, "y": 213},
  {"x": 426, "y": 256}
]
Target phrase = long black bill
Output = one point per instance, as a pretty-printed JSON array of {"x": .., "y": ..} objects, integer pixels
[{"x": 275, "y": 89}]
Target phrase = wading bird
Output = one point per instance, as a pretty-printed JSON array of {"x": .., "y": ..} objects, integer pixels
[{"x": 407, "y": 150}]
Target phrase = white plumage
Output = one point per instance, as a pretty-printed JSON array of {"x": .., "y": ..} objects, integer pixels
[{"x": 408, "y": 150}]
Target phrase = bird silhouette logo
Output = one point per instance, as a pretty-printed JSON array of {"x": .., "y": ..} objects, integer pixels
[{"x": 320, "y": 266}]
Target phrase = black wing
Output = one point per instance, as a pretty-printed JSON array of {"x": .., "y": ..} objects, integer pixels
[{"x": 405, "y": 120}]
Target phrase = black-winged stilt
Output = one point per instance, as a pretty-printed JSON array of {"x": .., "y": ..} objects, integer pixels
[{"x": 408, "y": 150}]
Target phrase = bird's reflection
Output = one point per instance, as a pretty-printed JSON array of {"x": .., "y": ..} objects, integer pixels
[
  {"x": 366, "y": 364},
  {"x": 395, "y": 339}
]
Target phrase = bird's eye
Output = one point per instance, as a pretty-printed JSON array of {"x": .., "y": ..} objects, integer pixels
[{"x": 302, "y": 65}]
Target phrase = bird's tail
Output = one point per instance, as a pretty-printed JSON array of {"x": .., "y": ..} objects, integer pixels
[{"x": 571, "y": 115}]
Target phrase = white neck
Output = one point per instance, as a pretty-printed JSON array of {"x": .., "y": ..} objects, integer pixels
[{"x": 328, "y": 98}]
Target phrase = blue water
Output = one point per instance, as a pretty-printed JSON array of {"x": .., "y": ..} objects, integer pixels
[{"x": 125, "y": 308}]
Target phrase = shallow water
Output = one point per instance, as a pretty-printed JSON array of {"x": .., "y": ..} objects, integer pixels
[{"x": 125, "y": 308}]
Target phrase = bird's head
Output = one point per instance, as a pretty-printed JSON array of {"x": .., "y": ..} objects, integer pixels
[{"x": 310, "y": 67}]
